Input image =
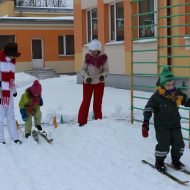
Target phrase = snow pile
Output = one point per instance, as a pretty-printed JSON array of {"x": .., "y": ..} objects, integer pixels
[
  {"x": 23, "y": 79},
  {"x": 104, "y": 155}
]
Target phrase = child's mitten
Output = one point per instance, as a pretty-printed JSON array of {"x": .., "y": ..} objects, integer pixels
[
  {"x": 23, "y": 114},
  {"x": 145, "y": 129}
]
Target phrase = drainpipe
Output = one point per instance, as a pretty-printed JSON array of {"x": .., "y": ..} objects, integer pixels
[{"x": 169, "y": 33}]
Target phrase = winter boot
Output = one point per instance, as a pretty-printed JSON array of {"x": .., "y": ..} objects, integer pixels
[
  {"x": 159, "y": 165},
  {"x": 18, "y": 142},
  {"x": 177, "y": 164},
  {"x": 82, "y": 124},
  {"x": 27, "y": 135},
  {"x": 39, "y": 127}
]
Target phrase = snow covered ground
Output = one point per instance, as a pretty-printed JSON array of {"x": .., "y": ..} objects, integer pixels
[{"x": 104, "y": 155}]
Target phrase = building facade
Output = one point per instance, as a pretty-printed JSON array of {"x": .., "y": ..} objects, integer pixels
[
  {"x": 45, "y": 36},
  {"x": 129, "y": 30}
]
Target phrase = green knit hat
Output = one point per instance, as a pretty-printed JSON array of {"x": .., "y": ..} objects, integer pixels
[{"x": 165, "y": 76}]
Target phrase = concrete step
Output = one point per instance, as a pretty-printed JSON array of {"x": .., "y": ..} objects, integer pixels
[{"x": 43, "y": 73}]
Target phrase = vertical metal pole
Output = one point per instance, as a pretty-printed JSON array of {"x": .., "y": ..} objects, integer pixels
[
  {"x": 169, "y": 33},
  {"x": 189, "y": 128},
  {"x": 132, "y": 80}
]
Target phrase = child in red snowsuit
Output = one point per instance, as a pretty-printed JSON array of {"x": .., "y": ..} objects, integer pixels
[{"x": 94, "y": 71}]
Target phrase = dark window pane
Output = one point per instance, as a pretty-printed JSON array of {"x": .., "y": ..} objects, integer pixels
[
  {"x": 94, "y": 13},
  {"x": 5, "y": 39},
  {"x": 89, "y": 25},
  {"x": 94, "y": 24},
  {"x": 120, "y": 21},
  {"x": 36, "y": 49},
  {"x": 61, "y": 45},
  {"x": 144, "y": 7},
  {"x": 112, "y": 21},
  {"x": 69, "y": 45},
  {"x": 94, "y": 29}
]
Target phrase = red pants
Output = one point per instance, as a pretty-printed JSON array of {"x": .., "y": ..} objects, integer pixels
[{"x": 88, "y": 90}]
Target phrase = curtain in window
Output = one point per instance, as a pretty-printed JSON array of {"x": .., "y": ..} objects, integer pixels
[{"x": 146, "y": 6}]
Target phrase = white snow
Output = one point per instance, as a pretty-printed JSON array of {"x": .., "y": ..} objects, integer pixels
[
  {"x": 23, "y": 80},
  {"x": 145, "y": 40},
  {"x": 104, "y": 155},
  {"x": 115, "y": 43},
  {"x": 39, "y": 18}
]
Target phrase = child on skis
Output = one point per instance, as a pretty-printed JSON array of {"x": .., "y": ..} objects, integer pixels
[
  {"x": 8, "y": 91},
  {"x": 164, "y": 103},
  {"x": 29, "y": 106},
  {"x": 94, "y": 72}
]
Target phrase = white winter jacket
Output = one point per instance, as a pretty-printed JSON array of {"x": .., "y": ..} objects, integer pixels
[{"x": 93, "y": 72}]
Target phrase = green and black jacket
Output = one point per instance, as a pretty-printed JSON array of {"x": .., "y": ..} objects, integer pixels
[{"x": 165, "y": 110}]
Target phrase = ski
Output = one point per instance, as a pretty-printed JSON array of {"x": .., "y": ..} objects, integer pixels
[
  {"x": 35, "y": 136},
  {"x": 50, "y": 141},
  {"x": 167, "y": 174},
  {"x": 185, "y": 171}
]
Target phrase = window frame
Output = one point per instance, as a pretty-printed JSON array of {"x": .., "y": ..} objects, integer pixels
[
  {"x": 155, "y": 20},
  {"x": 64, "y": 46},
  {"x": 91, "y": 29},
  {"x": 115, "y": 21}
]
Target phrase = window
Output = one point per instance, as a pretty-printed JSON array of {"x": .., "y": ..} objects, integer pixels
[
  {"x": 92, "y": 25},
  {"x": 4, "y": 39},
  {"x": 117, "y": 21},
  {"x": 66, "y": 45},
  {"x": 148, "y": 20},
  {"x": 1, "y": 1}
]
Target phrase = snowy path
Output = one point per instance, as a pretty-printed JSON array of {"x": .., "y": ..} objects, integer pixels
[{"x": 104, "y": 155}]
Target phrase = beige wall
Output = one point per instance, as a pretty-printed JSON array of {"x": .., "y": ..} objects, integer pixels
[
  {"x": 86, "y": 4},
  {"x": 187, "y": 42},
  {"x": 7, "y": 8},
  {"x": 145, "y": 57},
  {"x": 23, "y": 66},
  {"x": 60, "y": 66},
  {"x": 116, "y": 58},
  {"x": 41, "y": 14}
]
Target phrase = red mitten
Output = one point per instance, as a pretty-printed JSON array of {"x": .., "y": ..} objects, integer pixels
[{"x": 145, "y": 129}]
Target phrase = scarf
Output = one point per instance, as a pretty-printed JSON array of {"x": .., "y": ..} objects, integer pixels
[
  {"x": 7, "y": 69},
  {"x": 98, "y": 61},
  {"x": 35, "y": 101},
  {"x": 171, "y": 94}
]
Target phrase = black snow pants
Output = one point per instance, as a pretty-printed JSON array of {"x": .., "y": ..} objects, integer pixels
[{"x": 169, "y": 137}]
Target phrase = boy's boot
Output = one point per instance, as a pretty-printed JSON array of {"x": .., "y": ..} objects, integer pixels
[
  {"x": 27, "y": 135},
  {"x": 39, "y": 128},
  {"x": 18, "y": 142},
  {"x": 177, "y": 163},
  {"x": 159, "y": 165}
]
